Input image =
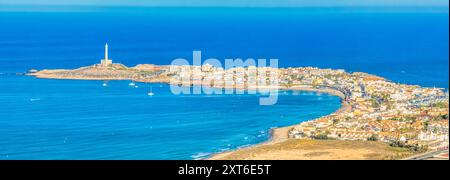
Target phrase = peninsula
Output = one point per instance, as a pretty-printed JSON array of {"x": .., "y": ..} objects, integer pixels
[{"x": 374, "y": 111}]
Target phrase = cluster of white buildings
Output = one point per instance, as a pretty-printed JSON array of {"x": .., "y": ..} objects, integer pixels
[{"x": 379, "y": 108}]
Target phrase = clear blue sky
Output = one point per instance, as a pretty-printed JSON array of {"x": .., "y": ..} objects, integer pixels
[{"x": 233, "y": 3}]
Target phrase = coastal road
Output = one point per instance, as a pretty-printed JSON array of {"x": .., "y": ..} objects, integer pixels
[{"x": 429, "y": 155}]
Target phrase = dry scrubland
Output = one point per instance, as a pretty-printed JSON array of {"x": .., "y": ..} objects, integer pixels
[{"x": 295, "y": 149}]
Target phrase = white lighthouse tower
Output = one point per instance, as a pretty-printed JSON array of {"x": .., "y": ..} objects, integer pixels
[{"x": 106, "y": 62}]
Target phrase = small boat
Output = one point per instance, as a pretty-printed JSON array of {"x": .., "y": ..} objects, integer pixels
[
  {"x": 132, "y": 84},
  {"x": 136, "y": 86},
  {"x": 104, "y": 84},
  {"x": 151, "y": 92}
]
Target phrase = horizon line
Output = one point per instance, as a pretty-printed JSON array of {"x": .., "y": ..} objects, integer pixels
[{"x": 81, "y": 7}]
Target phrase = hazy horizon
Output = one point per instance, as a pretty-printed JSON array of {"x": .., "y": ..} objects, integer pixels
[
  {"x": 230, "y": 3},
  {"x": 136, "y": 8}
]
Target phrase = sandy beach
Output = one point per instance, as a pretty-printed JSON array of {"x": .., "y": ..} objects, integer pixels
[{"x": 279, "y": 136}]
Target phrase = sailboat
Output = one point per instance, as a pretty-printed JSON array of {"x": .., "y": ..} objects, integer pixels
[{"x": 151, "y": 92}]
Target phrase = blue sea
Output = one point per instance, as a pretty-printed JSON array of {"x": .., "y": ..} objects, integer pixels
[{"x": 72, "y": 119}]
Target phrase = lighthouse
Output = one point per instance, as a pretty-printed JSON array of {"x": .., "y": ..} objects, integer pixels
[{"x": 106, "y": 62}]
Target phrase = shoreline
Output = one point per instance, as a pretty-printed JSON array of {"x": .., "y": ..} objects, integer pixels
[
  {"x": 367, "y": 108},
  {"x": 280, "y": 134},
  {"x": 277, "y": 135}
]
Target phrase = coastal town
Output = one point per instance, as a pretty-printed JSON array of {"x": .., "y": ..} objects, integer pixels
[{"x": 373, "y": 108}]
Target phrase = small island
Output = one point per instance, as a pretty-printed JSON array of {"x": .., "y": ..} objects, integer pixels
[{"x": 375, "y": 112}]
